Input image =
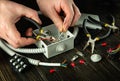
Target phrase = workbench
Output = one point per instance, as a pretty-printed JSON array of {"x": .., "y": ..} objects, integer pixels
[{"x": 105, "y": 70}]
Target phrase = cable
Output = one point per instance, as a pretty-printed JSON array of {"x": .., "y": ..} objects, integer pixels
[
  {"x": 87, "y": 32},
  {"x": 75, "y": 32},
  {"x": 25, "y": 50},
  {"x": 33, "y": 22},
  {"x": 112, "y": 25}
]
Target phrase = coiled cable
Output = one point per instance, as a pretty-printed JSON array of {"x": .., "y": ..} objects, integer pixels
[{"x": 25, "y": 50}]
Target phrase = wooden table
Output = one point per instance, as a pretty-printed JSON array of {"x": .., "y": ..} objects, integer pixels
[{"x": 105, "y": 70}]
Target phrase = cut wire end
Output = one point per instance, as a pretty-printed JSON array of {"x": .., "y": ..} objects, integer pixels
[
  {"x": 64, "y": 65},
  {"x": 114, "y": 51}
]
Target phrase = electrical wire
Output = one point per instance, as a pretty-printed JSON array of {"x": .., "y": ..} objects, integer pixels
[
  {"x": 25, "y": 50},
  {"x": 75, "y": 32},
  {"x": 87, "y": 32},
  {"x": 33, "y": 22},
  {"x": 112, "y": 25},
  {"x": 114, "y": 51}
]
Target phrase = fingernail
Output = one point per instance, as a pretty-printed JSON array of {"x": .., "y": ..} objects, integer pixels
[{"x": 64, "y": 21}]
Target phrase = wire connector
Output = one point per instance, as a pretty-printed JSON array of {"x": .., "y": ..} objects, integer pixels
[{"x": 19, "y": 63}]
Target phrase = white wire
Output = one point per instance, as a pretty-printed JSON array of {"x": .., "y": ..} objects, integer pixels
[
  {"x": 37, "y": 62},
  {"x": 75, "y": 32},
  {"x": 26, "y": 50},
  {"x": 49, "y": 64}
]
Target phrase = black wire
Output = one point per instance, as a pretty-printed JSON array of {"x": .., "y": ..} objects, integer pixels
[
  {"x": 106, "y": 35},
  {"x": 37, "y": 25},
  {"x": 87, "y": 32},
  {"x": 32, "y": 21},
  {"x": 30, "y": 37},
  {"x": 112, "y": 18},
  {"x": 95, "y": 21}
]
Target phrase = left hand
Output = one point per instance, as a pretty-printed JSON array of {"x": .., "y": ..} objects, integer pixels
[{"x": 52, "y": 9}]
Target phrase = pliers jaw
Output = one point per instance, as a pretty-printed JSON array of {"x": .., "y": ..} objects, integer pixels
[{"x": 93, "y": 46}]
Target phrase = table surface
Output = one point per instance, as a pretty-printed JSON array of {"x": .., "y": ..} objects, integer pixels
[{"x": 105, "y": 70}]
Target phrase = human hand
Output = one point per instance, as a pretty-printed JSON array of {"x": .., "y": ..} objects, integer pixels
[
  {"x": 52, "y": 9},
  {"x": 10, "y": 13}
]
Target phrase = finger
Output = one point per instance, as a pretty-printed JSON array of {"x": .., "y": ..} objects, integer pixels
[
  {"x": 54, "y": 16},
  {"x": 26, "y": 41},
  {"x": 15, "y": 39},
  {"x": 77, "y": 15},
  {"x": 21, "y": 43},
  {"x": 68, "y": 10},
  {"x": 10, "y": 42}
]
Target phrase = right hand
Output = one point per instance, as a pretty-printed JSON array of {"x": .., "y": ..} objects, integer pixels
[
  {"x": 10, "y": 13},
  {"x": 53, "y": 8}
]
